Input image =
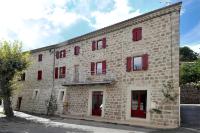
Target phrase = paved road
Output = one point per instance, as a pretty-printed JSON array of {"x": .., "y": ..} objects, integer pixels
[{"x": 25, "y": 123}]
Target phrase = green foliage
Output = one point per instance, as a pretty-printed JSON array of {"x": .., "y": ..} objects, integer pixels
[
  {"x": 190, "y": 72},
  {"x": 187, "y": 55},
  {"x": 12, "y": 62}
]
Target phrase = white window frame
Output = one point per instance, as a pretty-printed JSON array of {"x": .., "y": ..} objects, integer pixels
[
  {"x": 98, "y": 68},
  {"x": 137, "y": 57},
  {"x": 99, "y": 44}
]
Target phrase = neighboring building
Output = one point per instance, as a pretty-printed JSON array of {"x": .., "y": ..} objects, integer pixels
[{"x": 115, "y": 74}]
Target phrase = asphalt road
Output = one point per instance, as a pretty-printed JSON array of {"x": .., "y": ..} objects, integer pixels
[{"x": 25, "y": 123}]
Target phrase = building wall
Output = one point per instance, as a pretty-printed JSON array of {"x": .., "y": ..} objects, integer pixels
[{"x": 160, "y": 40}]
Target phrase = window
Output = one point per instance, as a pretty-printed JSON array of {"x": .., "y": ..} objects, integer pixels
[
  {"x": 98, "y": 68},
  {"x": 39, "y": 76},
  {"x": 35, "y": 94},
  {"x": 76, "y": 50},
  {"x": 60, "y": 54},
  {"x": 23, "y": 76},
  {"x": 137, "y": 34},
  {"x": 139, "y": 103},
  {"x": 137, "y": 63},
  {"x": 62, "y": 72},
  {"x": 100, "y": 44},
  {"x": 61, "y": 96},
  {"x": 56, "y": 73},
  {"x": 40, "y": 57}
]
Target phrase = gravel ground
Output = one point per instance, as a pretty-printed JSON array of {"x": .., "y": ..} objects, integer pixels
[{"x": 25, "y": 123}]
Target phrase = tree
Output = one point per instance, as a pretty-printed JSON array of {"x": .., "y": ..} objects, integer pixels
[
  {"x": 187, "y": 55},
  {"x": 12, "y": 62},
  {"x": 190, "y": 72}
]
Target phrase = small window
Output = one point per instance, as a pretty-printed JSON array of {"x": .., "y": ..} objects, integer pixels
[
  {"x": 62, "y": 72},
  {"x": 40, "y": 57},
  {"x": 139, "y": 103},
  {"x": 39, "y": 76},
  {"x": 61, "y": 96},
  {"x": 99, "y": 44},
  {"x": 99, "y": 68},
  {"x": 23, "y": 76},
  {"x": 137, "y": 34},
  {"x": 137, "y": 63},
  {"x": 76, "y": 50},
  {"x": 35, "y": 94}
]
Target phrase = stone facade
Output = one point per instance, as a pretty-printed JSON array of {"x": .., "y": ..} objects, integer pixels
[{"x": 160, "y": 40}]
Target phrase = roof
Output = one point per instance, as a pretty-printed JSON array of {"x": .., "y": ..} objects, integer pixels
[{"x": 141, "y": 18}]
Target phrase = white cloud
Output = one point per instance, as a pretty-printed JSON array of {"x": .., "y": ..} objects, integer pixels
[
  {"x": 120, "y": 12},
  {"x": 194, "y": 47},
  {"x": 40, "y": 22}
]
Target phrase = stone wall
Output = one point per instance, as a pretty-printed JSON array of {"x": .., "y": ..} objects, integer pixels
[
  {"x": 160, "y": 40},
  {"x": 190, "y": 94}
]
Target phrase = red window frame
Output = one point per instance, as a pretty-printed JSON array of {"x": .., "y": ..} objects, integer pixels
[
  {"x": 76, "y": 50},
  {"x": 62, "y": 72}
]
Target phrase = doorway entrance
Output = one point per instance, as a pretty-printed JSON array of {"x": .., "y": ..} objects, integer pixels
[
  {"x": 138, "y": 103},
  {"x": 97, "y": 103},
  {"x": 19, "y": 103}
]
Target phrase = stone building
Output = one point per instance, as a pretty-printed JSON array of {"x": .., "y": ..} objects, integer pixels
[{"x": 115, "y": 74}]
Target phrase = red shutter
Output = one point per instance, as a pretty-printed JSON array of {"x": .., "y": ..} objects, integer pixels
[
  {"x": 92, "y": 68},
  {"x": 145, "y": 62},
  {"x": 57, "y": 54},
  {"x": 78, "y": 50},
  {"x": 104, "y": 42},
  {"x": 139, "y": 34},
  {"x": 134, "y": 34},
  {"x": 56, "y": 73},
  {"x": 93, "y": 45},
  {"x": 64, "y": 53},
  {"x": 128, "y": 64},
  {"x": 39, "y": 75},
  {"x": 104, "y": 67},
  {"x": 63, "y": 71}
]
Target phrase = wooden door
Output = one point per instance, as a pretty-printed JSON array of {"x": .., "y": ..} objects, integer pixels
[
  {"x": 97, "y": 101},
  {"x": 138, "y": 104}
]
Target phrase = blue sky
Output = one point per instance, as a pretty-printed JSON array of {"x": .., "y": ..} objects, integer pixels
[{"x": 39, "y": 23}]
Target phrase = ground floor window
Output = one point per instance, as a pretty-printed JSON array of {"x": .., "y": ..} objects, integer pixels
[
  {"x": 97, "y": 103},
  {"x": 139, "y": 103}
]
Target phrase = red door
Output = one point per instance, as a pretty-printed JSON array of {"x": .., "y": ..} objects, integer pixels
[
  {"x": 97, "y": 100},
  {"x": 138, "y": 104}
]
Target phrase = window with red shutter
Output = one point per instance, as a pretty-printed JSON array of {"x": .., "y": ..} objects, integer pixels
[
  {"x": 93, "y": 45},
  {"x": 104, "y": 42},
  {"x": 137, "y": 63},
  {"x": 145, "y": 62},
  {"x": 92, "y": 68},
  {"x": 39, "y": 77},
  {"x": 128, "y": 64},
  {"x": 76, "y": 50},
  {"x": 64, "y": 53},
  {"x": 40, "y": 57},
  {"x": 104, "y": 67},
  {"x": 56, "y": 73},
  {"x": 57, "y": 54},
  {"x": 62, "y": 72},
  {"x": 137, "y": 34}
]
